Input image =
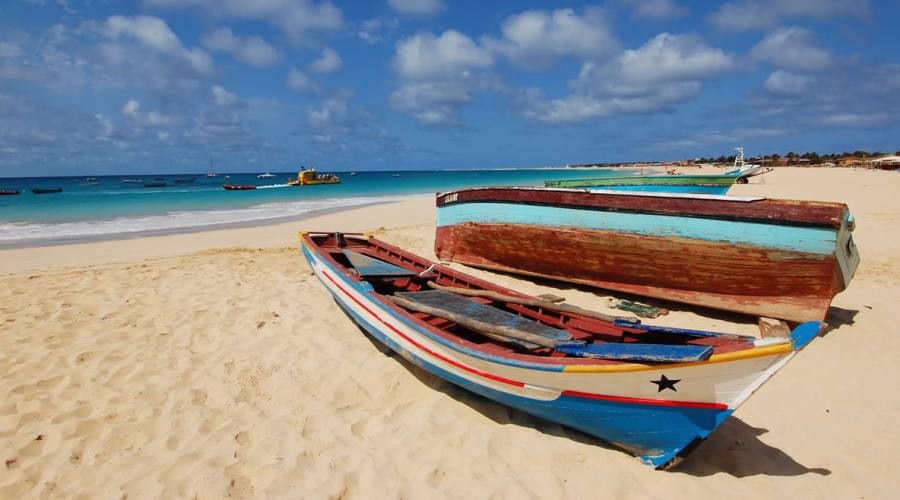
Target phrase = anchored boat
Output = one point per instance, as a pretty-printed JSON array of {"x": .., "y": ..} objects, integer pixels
[
  {"x": 309, "y": 177},
  {"x": 653, "y": 391},
  {"x": 782, "y": 259}
]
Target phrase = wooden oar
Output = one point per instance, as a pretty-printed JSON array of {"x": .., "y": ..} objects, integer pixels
[
  {"x": 544, "y": 304},
  {"x": 493, "y": 331}
]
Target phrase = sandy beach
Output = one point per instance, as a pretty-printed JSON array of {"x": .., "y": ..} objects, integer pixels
[{"x": 213, "y": 364}]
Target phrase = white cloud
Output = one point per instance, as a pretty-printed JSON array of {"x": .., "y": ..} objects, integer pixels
[
  {"x": 328, "y": 62},
  {"x": 372, "y": 30},
  {"x": 337, "y": 126},
  {"x": 856, "y": 119},
  {"x": 106, "y": 125},
  {"x": 417, "y": 7},
  {"x": 153, "y": 33},
  {"x": 9, "y": 50},
  {"x": 438, "y": 75},
  {"x": 251, "y": 50},
  {"x": 223, "y": 97},
  {"x": 299, "y": 81},
  {"x": 762, "y": 14},
  {"x": 792, "y": 48},
  {"x": 657, "y": 10},
  {"x": 450, "y": 55},
  {"x": 432, "y": 103},
  {"x": 300, "y": 20},
  {"x": 536, "y": 38},
  {"x": 668, "y": 57},
  {"x": 132, "y": 109},
  {"x": 666, "y": 70},
  {"x": 785, "y": 83}
]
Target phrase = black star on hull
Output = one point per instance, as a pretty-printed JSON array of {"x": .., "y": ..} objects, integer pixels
[{"x": 665, "y": 383}]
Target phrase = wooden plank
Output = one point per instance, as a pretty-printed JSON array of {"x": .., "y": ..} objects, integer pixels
[
  {"x": 656, "y": 353},
  {"x": 481, "y": 318},
  {"x": 534, "y": 302},
  {"x": 367, "y": 266},
  {"x": 637, "y": 325}
]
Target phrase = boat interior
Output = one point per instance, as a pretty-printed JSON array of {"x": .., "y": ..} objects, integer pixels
[{"x": 478, "y": 315}]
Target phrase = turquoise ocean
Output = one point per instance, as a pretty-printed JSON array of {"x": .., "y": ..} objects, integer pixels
[{"x": 106, "y": 207}]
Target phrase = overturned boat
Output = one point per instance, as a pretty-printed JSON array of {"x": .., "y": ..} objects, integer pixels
[{"x": 783, "y": 259}]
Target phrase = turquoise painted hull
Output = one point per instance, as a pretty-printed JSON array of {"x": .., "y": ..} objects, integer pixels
[{"x": 803, "y": 239}]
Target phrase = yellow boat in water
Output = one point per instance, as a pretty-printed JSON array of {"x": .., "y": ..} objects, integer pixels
[{"x": 311, "y": 178}]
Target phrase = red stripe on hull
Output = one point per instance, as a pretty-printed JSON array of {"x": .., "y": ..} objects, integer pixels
[
  {"x": 654, "y": 402},
  {"x": 516, "y": 383},
  {"x": 795, "y": 286}
]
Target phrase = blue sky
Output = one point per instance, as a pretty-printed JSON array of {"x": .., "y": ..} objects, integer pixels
[{"x": 100, "y": 87}]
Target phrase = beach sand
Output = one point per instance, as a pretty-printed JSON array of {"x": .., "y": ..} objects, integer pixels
[{"x": 213, "y": 365}]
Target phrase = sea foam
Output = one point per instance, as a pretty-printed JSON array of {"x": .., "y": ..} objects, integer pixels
[{"x": 11, "y": 232}]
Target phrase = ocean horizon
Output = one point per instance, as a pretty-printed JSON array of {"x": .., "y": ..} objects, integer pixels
[{"x": 107, "y": 207}]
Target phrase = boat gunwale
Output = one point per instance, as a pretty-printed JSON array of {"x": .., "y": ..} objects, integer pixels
[
  {"x": 519, "y": 360},
  {"x": 717, "y": 206}
]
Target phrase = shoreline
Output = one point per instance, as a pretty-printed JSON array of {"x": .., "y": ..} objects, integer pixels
[
  {"x": 218, "y": 226},
  {"x": 414, "y": 211}
]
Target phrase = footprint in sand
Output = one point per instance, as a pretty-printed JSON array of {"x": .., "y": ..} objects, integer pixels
[{"x": 198, "y": 397}]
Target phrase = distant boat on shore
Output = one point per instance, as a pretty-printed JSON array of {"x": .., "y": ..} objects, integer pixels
[{"x": 46, "y": 190}]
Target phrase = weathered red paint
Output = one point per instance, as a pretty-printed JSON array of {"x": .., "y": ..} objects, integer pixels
[
  {"x": 791, "y": 285},
  {"x": 789, "y": 212},
  {"x": 788, "y": 285}
]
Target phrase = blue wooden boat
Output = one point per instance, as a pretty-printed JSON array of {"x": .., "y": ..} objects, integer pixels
[{"x": 651, "y": 391}]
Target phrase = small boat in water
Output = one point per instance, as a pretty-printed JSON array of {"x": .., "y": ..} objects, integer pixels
[
  {"x": 8, "y": 192},
  {"x": 784, "y": 259},
  {"x": 652, "y": 391},
  {"x": 133, "y": 181},
  {"x": 266, "y": 175},
  {"x": 46, "y": 190},
  {"x": 212, "y": 174},
  {"x": 154, "y": 184},
  {"x": 184, "y": 180},
  {"x": 309, "y": 177},
  {"x": 238, "y": 187}
]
